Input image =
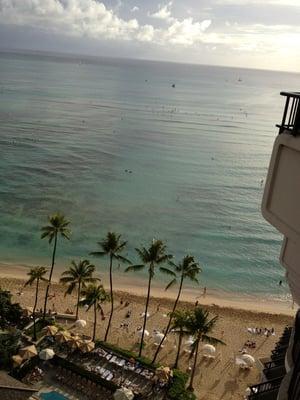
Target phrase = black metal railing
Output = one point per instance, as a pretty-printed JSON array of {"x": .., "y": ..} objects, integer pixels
[
  {"x": 269, "y": 386},
  {"x": 291, "y": 114}
]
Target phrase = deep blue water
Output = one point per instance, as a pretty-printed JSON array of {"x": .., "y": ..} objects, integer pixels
[{"x": 70, "y": 128}]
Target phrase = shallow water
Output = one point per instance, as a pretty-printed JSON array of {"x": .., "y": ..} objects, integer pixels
[{"x": 70, "y": 128}]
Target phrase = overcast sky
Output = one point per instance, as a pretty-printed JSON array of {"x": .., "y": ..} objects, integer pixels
[{"x": 247, "y": 33}]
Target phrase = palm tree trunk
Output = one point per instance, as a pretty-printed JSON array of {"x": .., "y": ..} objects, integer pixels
[
  {"x": 179, "y": 348},
  {"x": 170, "y": 320},
  {"x": 194, "y": 367},
  {"x": 146, "y": 310},
  {"x": 78, "y": 298},
  {"x": 95, "y": 322},
  {"x": 50, "y": 276},
  {"x": 111, "y": 298},
  {"x": 34, "y": 308}
]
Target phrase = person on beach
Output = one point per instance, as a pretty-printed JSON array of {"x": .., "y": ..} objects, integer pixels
[{"x": 204, "y": 291}]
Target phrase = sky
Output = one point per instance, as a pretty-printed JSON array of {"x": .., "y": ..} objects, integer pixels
[{"x": 242, "y": 33}]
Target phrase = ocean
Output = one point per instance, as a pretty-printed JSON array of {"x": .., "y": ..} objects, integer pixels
[{"x": 114, "y": 146}]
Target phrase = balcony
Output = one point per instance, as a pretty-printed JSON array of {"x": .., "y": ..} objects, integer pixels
[{"x": 291, "y": 114}]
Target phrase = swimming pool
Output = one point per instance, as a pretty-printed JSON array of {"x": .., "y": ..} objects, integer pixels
[{"x": 52, "y": 396}]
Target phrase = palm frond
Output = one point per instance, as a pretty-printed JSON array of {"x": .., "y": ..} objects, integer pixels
[
  {"x": 134, "y": 268},
  {"x": 170, "y": 284},
  {"x": 212, "y": 340}
]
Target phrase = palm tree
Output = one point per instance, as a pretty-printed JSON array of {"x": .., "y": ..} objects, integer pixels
[
  {"x": 188, "y": 268},
  {"x": 179, "y": 320},
  {"x": 111, "y": 246},
  {"x": 94, "y": 296},
  {"x": 200, "y": 325},
  {"x": 78, "y": 275},
  {"x": 36, "y": 274},
  {"x": 152, "y": 257},
  {"x": 57, "y": 225}
]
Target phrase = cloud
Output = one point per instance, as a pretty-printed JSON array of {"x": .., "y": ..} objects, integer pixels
[
  {"x": 91, "y": 18},
  {"x": 186, "y": 32},
  {"x": 134, "y": 9},
  {"x": 163, "y": 12}
]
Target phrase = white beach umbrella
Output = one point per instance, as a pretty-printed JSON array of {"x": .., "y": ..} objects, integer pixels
[
  {"x": 46, "y": 354},
  {"x": 240, "y": 362},
  {"x": 80, "y": 323},
  {"x": 249, "y": 360},
  {"x": 140, "y": 332},
  {"x": 190, "y": 341},
  {"x": 158, "y": 337},
  {"x": 209, "y": 349},
  {"x": 123, "y": 394},
  {"x": 143, "y": 314}
]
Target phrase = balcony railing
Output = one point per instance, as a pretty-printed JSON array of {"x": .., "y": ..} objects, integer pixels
[{"x": 291, "y": 114}]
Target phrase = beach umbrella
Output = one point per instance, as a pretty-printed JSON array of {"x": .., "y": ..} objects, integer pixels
[
  {"x": 190, "y": 341},
  {"x": 249, "y": 360},
  {"x": 240, "y": 362},
  {"x": 158, "y": 337},
  {"x": 163, "y": 374},
  {"x": 27, "y": 311},
  {"x": 50, "y": 330},
  {"x": 123, "y": 394},
  {"x": 143, "y": 314},
  {"x": 17, "y": 360},
  {"x": 140, "y": 332},
  {"x": 74, "y": 342},
  {"x": 80, "y": 323},
  {"x": 86, "y": 346},
  {"x": 28, "y": 352},
  {"x": 209, "y": 349},
  {"x": 46, "y": 354},
  {"x": 62, "y": 336}
]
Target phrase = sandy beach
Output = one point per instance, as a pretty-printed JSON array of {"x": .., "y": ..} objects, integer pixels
[{"x": 217, "y": 379}]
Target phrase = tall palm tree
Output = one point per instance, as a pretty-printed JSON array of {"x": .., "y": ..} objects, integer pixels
[
  {"x": 58, "y": 225},
  {"x": 200, "y": 325},
  {"x": 94, "y": 296},
  {"x": 36, "y": 274},
  {"x": 78, "y": 276},
  {"x": 179, "y": 321},
  {"x": 151, "y": 257},
  {"x": 111, "y": 246},
  {"x": 188, "y": 268}
]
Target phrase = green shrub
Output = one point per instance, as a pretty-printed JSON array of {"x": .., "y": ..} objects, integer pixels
[
  {"x": 9, "y": 345},
  {"x": 177, "y": 389},
  {"x": 127, "y": 354},
  {"x": 11, "y": 314}
]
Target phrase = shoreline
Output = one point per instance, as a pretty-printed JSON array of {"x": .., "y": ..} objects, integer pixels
[
  {"x": 234, "y": 317},
  {"x": 137, "y": 287}
]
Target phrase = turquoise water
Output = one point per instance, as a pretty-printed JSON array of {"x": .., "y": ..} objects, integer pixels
[
  {"x": 52, "y": 396},
  {"x": 70, "y": 128}
]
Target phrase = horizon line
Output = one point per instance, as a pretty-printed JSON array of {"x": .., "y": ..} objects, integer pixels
[{"x": 49, "y": 53}]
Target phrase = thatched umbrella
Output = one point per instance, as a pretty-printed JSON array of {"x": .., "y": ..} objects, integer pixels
[
  {"x": 28, "y": 352},
  {"x": 17, "y": 360},
  {"x": 62, "y": 336},
  {"x": 86, "y": 346},
  {"x": 74, "y": 342},
  {"x": 27, "y": 311},
  {"x": 50, "y": 330},
  {"x": 163, "y": 374}
]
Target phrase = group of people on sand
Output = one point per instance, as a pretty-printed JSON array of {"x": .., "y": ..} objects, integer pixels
[{"x": 262, "y": 331}]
